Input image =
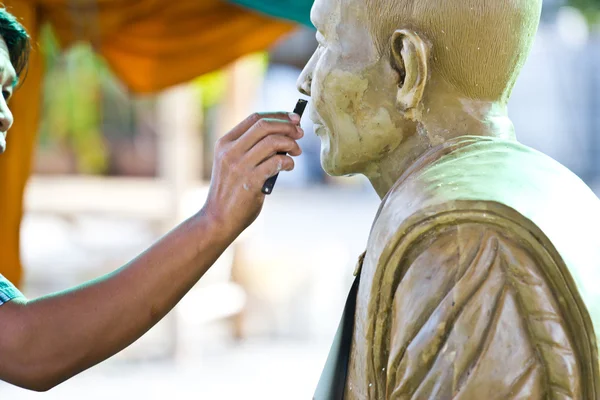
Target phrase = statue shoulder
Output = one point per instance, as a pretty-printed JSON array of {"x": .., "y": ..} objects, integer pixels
[
  {"x": 458, "y": 270},
  {"x": 401, "y": 216},
  {"x": 480, "y": 271}
]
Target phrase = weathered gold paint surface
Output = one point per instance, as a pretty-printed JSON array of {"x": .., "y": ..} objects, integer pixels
[
  {"x": 483, "y": 263},
  {"x": 474, "y": 284}
]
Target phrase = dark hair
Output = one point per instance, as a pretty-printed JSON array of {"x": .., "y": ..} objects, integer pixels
[{"x": 17, "y": 40}]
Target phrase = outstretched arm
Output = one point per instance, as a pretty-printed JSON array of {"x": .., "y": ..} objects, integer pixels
[{"x": 46, "y": 341}]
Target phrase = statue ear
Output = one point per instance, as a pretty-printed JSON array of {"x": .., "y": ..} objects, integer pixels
[{"x": 410, "y": 56}]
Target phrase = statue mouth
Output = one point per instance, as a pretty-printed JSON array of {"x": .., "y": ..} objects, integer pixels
[{"x": 320, "y": 130}]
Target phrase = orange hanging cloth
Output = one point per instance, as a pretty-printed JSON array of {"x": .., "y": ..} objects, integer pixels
[
  {"x": 15, "y": 164},
  {"x": 153, "y": 44},
  {"x": 150, "y": 45}
]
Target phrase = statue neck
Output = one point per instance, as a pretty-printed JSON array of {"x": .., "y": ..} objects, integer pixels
[{"x": 440, "y": 121}]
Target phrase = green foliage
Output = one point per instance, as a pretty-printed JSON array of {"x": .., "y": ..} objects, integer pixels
[
  {"x": 590, "y": 8},
  {"x": 71, "y": 102},
  {"x": 81, "y": 97},
  {"x": 213, "y": 86}
]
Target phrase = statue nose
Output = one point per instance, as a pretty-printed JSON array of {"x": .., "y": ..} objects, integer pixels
[
  {"x": 304, "y": 82},
  {"x": 304, "y": 87}
]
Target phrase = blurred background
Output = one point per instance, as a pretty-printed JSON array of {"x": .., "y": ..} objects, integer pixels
[{"x": 114, "y": 171}]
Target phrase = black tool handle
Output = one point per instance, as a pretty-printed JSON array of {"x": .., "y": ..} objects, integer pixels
[{"x": 270, "y": 183}]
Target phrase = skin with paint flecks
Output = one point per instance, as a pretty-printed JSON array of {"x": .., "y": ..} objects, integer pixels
[{"x": 279, "y": 168}]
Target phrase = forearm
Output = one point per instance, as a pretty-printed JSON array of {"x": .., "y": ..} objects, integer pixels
[
  {"x": 69, "y": 332},
  {"x": 46, "y": 341}
]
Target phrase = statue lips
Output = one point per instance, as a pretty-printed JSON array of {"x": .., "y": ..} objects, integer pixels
[{"x": 318, "y": 128}]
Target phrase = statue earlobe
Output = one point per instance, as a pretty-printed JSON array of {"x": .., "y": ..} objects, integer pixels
[{"x": 410, "y": 54}]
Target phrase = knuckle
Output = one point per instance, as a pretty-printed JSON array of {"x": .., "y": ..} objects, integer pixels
[
  {"x": 291, "y": 131},
  {"x": 281, "y": 160},
  {"x": 288, "y": 161},
  {"x": 288, "y": 143},
  {"x": 223, "y": 154},
  {"x": 262, "y": 124},
  {"x": 254, "y": 117},
  {"x": 218, "y": 145},
  {"x": 272, "y": 142},
  {"x": 222, "y": 146},
  {"x": 271, "y": 163},
  {"x": 224, "y": 159}
]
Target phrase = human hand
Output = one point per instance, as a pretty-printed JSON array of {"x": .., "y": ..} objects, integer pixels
[{"x": 244, "y": 159}]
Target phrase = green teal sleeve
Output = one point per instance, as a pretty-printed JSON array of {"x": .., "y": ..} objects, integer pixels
[{"x": 8, "y": 291}]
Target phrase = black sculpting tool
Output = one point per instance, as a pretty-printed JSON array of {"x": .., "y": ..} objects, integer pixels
[{"x": 270, "y": 183}]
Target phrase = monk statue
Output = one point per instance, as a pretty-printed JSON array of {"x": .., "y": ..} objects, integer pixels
[{"x": 481, "y": 276}]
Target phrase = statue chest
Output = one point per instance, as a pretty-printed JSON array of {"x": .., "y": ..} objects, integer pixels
[
  {"x": 461, "y": 308},
  {"x": 362, "y": 374}
]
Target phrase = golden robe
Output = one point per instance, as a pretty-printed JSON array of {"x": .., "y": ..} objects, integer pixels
[{"x": 479, "y": 275}]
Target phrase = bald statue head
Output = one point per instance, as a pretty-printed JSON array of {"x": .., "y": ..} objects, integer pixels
[
  {"x": 389, "y": 72},
  {"x": 477, "y": 46}
]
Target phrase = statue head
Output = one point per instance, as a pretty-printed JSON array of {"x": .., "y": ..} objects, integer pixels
[
  {"x": 390, "y": 71},
  {"x": 14, "y": 55}
]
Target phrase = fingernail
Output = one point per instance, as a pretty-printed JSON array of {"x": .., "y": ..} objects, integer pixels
[
  {"x": 294, "y": 117},
  {"x": 301, "y": 131}
]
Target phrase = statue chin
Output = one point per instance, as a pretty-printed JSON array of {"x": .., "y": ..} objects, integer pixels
[
  {"x": 329, "y": 166},
  {"x": 333, "y": 166},
  {"x": 333, "y": 162},
  {"x": 328, "y": 160}
]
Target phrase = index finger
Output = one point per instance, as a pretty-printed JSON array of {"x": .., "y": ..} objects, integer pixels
[{"x": 249, "y": 122}]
